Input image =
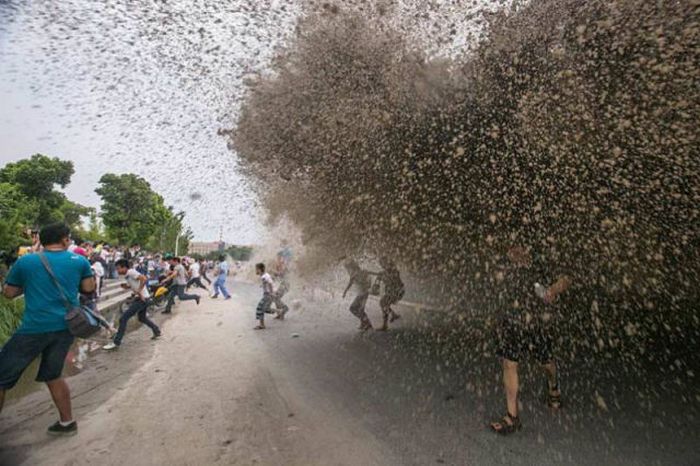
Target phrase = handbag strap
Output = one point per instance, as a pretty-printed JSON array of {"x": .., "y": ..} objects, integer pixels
[{"x": 47, "y": 266}]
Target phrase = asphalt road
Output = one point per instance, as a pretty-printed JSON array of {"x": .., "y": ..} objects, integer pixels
[{"x": 313, "y": 391}]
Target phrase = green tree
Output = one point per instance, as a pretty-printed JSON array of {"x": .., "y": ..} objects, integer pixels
[
  {"x": 133, "y": 213},
  {"x": 95, "y": 230},
  {"x": 237, "y": 253},
  {"x": 36, "y": 178},
  {"x": 29, "y": 199},
  {"x": 16, "y": 213},
  {"x": 129, "y": 207},
  {"x": 170, "y": 226}
]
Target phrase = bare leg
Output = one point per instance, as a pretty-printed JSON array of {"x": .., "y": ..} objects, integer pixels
[
  {"x": 550, "y": 369},
  {"x": 511, "y": 384},
  {"x": 510, "y": 422},
  {"x": 385, "y": 321},
  {"x": 61, "y": 398}
]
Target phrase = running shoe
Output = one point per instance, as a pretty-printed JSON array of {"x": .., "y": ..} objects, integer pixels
[{"x": 58, "y": 429}]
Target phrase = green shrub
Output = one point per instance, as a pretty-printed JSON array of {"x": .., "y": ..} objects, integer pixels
[{"x": 10, "y": 315}]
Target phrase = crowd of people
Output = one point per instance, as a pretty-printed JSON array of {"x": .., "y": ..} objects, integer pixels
[
  {"x": 528, "y": 290},
  {"x": 58, "y": 273},
  {"x": 56, "y": 267}
]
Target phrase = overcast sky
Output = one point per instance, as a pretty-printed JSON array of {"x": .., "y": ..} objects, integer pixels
[
  {"x": 116, "y": 88},
  {"x": 142, "y": 87}
]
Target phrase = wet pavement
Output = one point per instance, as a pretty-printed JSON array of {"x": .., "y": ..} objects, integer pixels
[{"x": 312, "y": 390}]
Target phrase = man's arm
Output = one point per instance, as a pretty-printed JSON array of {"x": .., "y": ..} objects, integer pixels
[
  {"x": 557, "y": 288},
  {"x": 87, "y": 285},
  {"x": 142, "y": 281},
  {"x": 352, "y": 279},
  {"x": 170, "y": 276},
  {"x": 11, "y": 291}
]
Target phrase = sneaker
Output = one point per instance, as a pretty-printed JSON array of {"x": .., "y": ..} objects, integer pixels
[
  {"x": 110, "y": 347},
  {"x": 167, "y": 312},
  {"x": 156, "y": 336},
  {"x": 63, "y": 431},
  {"x": 227, "y": 298},
  {"x": 214, "y": 296}
]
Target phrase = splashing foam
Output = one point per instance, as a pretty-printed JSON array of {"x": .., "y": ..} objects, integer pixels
[{"x": 570, "y": 129}]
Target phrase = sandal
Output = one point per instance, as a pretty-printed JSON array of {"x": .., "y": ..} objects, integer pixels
[
  {"x": 259, "y": 327},
  {"x": 554, "y": 401},
  {"x": 508, "y": 425}
]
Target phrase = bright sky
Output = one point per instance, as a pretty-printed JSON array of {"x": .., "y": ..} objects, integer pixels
[
  {"x": 143, "y": 87},
  {"x": 119, "y": 90}
]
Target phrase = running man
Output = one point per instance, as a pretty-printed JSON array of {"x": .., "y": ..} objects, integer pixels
[
  {"x": 179, "y": 275},
  {"x": 204, "y": 268},
  {"x": 141, "y": 296},
  {"x": 195, "y": 276},
  {"x": 361, "y": 279},
  {"x": 220, "y": 283},
  {"x": 393, "y": 291},
  {"x": 525, "y": 327},
  {"x": 266, "y": 301}
]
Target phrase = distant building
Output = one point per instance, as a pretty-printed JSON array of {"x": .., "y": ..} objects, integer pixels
[{"x": 205, "y": 247}]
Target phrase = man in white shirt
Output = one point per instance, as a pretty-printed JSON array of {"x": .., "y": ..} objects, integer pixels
[
  {"x": 179, "y": 277},
  {"x": 137, "y": 284},
  {"x": 195, "y": 276}
]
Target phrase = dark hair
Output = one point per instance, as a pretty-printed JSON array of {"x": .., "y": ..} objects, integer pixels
[
  {"x": 122, "y": 263},
  {"x": 176, "y": 259},
  {"x": 221, "y": 258},
  {"x": 260, "y": 266},
  {"x": 54, "y": 233}
]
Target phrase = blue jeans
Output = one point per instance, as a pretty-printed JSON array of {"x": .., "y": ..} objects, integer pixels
[
  {"x": 178, "y": 291},
  {"x": 139, "y": 308},
  {"x": 220, "y": 286},
  {"x": 20, "y": 350}
]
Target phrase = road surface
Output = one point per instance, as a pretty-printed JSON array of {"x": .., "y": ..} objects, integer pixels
[{"x": 213, "y": 391}]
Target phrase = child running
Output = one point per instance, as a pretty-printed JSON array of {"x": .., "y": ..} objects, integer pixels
[
  {"x": 393, "y": 291},
  {"x": 361, "y": 279},
  {"x": 267, "y": 298}
]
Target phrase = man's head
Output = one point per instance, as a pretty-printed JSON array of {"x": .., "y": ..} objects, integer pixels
[
  {"x": 351, "y": 265},
  {"x": 174, "y": 260},
  {"x": 386, "y": 263},
  {"x": 221, "y": 258},
  {"x": 56, "y": 234},
  {"x": 122, "y": 266},
  {"x": 259, "y": 268}
]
